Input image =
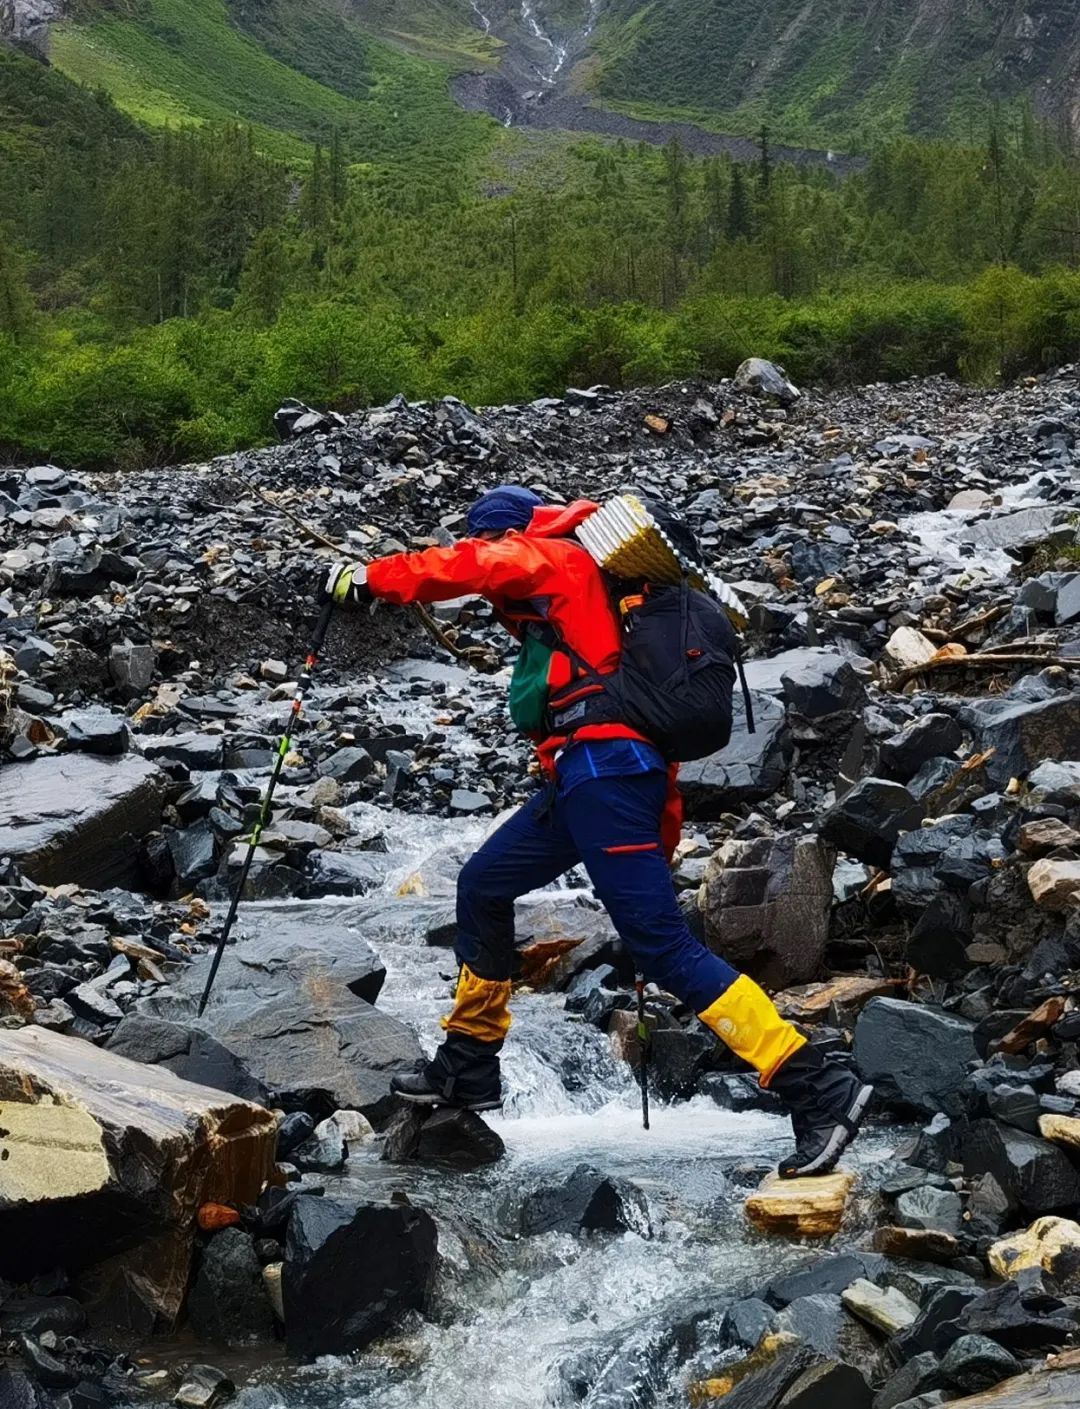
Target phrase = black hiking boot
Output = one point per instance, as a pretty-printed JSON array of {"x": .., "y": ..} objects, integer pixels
[
  {"x": 826, "y": 1102},
  {"x": 463, "y": 1073},
  {"x": 420, "y": 1090}
]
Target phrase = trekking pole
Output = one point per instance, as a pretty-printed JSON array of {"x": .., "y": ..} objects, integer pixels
[
  {"x": 302, "y": 688},
  {"x": 643, "y": 1040}
]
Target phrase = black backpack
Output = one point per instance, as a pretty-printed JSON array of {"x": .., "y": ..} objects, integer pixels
[{"x": 675, "y": 677}]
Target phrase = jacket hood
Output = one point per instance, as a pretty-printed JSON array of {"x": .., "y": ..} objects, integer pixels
[{"x": 557, "y": 521}]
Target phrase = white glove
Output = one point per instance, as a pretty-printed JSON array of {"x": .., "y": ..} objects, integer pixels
[{"x": 346, "y": 584}]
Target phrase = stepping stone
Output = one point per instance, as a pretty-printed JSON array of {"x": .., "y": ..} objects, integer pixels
[
  {"x": 801, "y": 1208},
  {"x": 884, "y": 1308}
]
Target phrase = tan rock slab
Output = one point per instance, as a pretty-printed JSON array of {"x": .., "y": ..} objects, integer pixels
[
  {"x": 1036, "y": 1246},
  {"x": 1028, "y": 1030},
  {"x": 801, "y": 1208},
  {"x": 1054, "y": 883},
  {"x": 1062, "y": 1129},
  {"x": 810, "y": 1002},
  {"x": 918, "y": 1244},
  {"x": 98, "y": 1152},
  {"x": 1045, "y": 834},
  {"x": 884, "y": 1308}
]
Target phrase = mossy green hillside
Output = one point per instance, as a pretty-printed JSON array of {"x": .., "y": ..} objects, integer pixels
[{"x": 295, "y": 75}]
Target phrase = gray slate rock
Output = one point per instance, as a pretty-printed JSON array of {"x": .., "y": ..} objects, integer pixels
[
  {"x": 586, "y": 1201},
  {"x": 227, "y": 1302},
  {"x": 868, "y": 819},
  {"x": 350, "y": 1274},
  {"x": 915, "y": 1056},
  {"x": 750, "y": 768},
  {"x": 73, "y": 817}
]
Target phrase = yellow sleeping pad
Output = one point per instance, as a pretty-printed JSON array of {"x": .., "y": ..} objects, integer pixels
[{"x": 626, "y": 540}]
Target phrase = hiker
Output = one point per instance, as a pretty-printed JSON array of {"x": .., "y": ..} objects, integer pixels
[{"x": 611, "y": 804}]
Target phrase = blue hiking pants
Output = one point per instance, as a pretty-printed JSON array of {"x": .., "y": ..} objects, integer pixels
[{"x": 612, "y": 825}]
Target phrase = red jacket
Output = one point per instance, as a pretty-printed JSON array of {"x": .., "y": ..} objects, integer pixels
[{"x": 539, "y": 574}]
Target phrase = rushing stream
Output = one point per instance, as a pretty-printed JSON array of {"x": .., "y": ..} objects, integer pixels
[{"x": 527, "y": 1322}]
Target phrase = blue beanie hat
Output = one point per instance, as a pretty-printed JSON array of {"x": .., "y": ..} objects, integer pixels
[{"x": 509, "y": 506}]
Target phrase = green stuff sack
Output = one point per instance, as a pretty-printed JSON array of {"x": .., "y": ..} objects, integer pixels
[{"x": 529, "y": 687}]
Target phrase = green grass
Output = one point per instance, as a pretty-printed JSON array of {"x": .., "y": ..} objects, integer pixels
[
  {"x": 188, "y": 61},
  {"x": 825, "y": 73}
]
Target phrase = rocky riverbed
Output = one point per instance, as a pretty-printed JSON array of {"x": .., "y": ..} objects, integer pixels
[{"x": 193, "y": 1210}]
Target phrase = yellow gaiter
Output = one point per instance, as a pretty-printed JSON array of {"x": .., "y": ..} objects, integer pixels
[
  {"x": 481, "y": 1007},
  {"x": 744, "y": 1017}
]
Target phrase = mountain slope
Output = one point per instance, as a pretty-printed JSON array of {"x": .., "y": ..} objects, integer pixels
[
  {"x": 294, "y": 72},
  {"x": 841, "y": 71}
]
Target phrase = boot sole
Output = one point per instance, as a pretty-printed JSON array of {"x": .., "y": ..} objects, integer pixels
[
  {"x": 840, "y": 1139},
  {"x": 434, "y": 1100}
]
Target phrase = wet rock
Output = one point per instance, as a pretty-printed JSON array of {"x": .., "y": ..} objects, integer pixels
[
  {"x": 142, "y": 1151},
  {"x": 825, "y": 1276},
  {"x": 935, "y": 1328},
  {"x": 677, "y": 1057},
  {"x": 132, "y": 669},
  {"x": 800, "y": 1208},
  {"x": 1003, "y": 1315},
  {"x": 586, "y": 1201},
  {"x": 73, "y": 817},
  {"x": 751, "y": 767},
  {"x": 344, "y": 872},
  {"x": 817, "y": 1321},
  {"x": 289, "y": 951},
  {"x": 1048, "y": 1387},
  {"x": 347, "y": 765},
  {"x": 828, "y": 1386},
  {"x": 764, "y": 1378},
  {"x": 867, "y": 821},
  {"x": 189, "y": 1053},
  {"x": 319, "y": 1051},
  {"x": 916, "y": 1244},
  {"x": 97, "y": 731},
  {"x": 916, "y": 1057},
  {"x": 767, "y": 903},
  {"x": 927, "y": 1207},
  {"x": 350, "y": 1274},
  {"x": 748, "y": 1321},
  {"x": 1034, "y": 1175},
  {"x": 1040, "y": 1245},
  {"x": 822, "y": 687},
  {"x": 443, "y": 1136},
  {"x": 884, "y": 1308},
  {"x": 917, "y": 1377},
  {"x": 228, "y": 1303},
  {"x": 1029, "y": 723}
]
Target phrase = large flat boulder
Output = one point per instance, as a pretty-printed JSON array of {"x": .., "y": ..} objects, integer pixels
[
  {"x": 1055, "y": 1385},
  {"x": 292, "y": 1003},
  {"x": 282, "y": 946},
  {"x": 76, "y": 817},
  {"x": 98, "y": 1154}
]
